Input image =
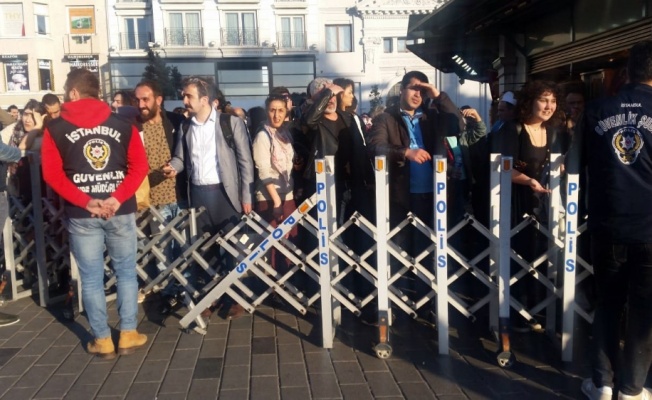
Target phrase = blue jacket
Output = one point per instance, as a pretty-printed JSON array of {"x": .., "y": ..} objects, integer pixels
[{"x": 8, "y": 155}]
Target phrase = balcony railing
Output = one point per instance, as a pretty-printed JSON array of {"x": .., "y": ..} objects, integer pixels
[
  {"x": 131, "y": 41},
  {"x": 291, "y": 40},
  {"x": 184, "y": 37},
  {"x": 239, "y": 37}
]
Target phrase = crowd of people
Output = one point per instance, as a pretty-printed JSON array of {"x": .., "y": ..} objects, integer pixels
[{"x": 213, "y": 155}]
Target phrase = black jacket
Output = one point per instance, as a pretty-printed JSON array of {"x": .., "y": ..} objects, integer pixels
[
  {"x": 389, "y": 136},
  {"x": 324, "y": 143},
  {"x": 613, "y": 142}
]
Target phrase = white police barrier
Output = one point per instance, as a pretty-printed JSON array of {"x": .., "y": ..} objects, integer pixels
[
  {"x": 328, "y": 269},
  {"x": 441, "y": 252},
  {"x": 570, "y": 255},
  {"x": 383, "y": 348},
  {"x": 35, "y": 250},
  {"x": 575, "y": 268},
  {"x": 246, "y": 264},
  {"x": 252, "y": 239},
  {"x": 505, "y": 357}
]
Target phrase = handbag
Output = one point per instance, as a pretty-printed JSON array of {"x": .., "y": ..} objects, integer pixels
[{"x": 142, "y": 195}]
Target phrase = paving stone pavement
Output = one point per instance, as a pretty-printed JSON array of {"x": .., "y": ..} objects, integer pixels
[{"x": 273, "y": 354}]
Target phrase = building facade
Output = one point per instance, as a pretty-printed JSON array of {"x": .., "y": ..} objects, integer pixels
[
  {"x": 246, "y": 46},
  {"x": 41, "y": 41},
  {"x": 249, "y": 46}
]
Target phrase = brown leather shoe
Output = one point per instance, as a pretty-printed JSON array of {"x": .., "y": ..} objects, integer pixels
[
  {"x": 236, "y": 311},
  {"x": 210, "y": 310},
  {"x": 207, "y": 313}
]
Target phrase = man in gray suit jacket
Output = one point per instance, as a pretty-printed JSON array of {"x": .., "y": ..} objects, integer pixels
[{"x": 220, "y": 178}]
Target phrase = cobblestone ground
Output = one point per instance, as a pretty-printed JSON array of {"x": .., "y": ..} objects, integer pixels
[{"x": 275, "y": 354}]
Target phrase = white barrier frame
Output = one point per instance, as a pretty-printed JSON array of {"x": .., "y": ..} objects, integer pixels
[
  {"x": 240, "y": 270},
  {"x": 325, "y": 225},
  {"x": 382, "y": 255},
  {"x": 570, "y": 260},
  {"x": 570, "y": 231},
  {"x": 441, "y": 250},
  {"x": 504, "y": 240}
]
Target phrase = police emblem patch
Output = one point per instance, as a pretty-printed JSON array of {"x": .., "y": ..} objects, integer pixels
[
  {"x": 97, "y": 153},
  {"x": 627, "y": 143}
]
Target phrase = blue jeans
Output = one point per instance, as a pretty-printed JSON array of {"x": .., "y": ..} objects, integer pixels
[
  {"x": 169, "y": 212},
  {"x": 623, "y": 274},
  {"x": 88, "y": 238},
  {"x": 173, "y": 249}
]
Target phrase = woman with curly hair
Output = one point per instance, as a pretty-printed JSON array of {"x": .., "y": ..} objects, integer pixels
[{"x": 530, "y": 140}]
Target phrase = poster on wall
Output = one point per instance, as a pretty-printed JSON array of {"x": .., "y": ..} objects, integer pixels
[
  {"x": 81, "y": 20},
  {"x": 16, "y": 71},
  {"x": 90, "y": 62},
  {"x": 11, "y": 20},
  {"x": 45, "y": 74}
]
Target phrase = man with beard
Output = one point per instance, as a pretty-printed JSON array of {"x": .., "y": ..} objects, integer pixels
[
  {"x": 52, "y": 105},
  {"x": 333, "y": 133},
  {"x": 160, "y": 130},
  {"x": 219, "y": 164}
]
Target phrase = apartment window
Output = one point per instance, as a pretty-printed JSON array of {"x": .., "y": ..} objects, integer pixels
[
  {"x": 11, "y": 17},
  {"x": 292, "y": 34},
  {"x": 45, "y": 74},
  {"x": 401, "y": 45},
  {"x": 388, "y": 45},
  {"x": 185, "y": 29},
  {"x": 42, "y": 19},
  {"x": 135, "y": 35},
  {"x": 393, "y": 95},
  {"x": 240, "y": 29},
  {"x": 237, "y": 79},
  {"x": 338, "y": 39}
]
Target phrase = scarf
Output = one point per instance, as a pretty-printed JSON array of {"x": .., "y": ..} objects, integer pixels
[{"x": 281, "y": 150}]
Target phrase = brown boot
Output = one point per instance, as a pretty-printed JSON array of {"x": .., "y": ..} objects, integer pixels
[
  {"x": 236, "y": 311},
  {"x": 130, "y": 341},
  {"x": 103, "y": 348}
]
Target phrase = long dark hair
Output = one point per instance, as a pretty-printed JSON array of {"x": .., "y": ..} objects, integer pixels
[
  {"x": 343, "y": 83},
  {"x": 33, "y": 105}
]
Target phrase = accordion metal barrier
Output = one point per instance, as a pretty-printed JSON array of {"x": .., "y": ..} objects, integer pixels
[{"x": 320, "y": 275}]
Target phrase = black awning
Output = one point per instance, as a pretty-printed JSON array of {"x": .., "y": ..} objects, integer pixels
[
  {"x": 453, "y": 14},
  {"x": 470, "y": 30},
  {"x": 472, "y": 17},
  {"x": 470, "y": 59}
]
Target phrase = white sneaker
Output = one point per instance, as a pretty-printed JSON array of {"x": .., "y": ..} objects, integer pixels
[
  {"x": 595, "y": 393},
  {"x": 644, "y": 395}
]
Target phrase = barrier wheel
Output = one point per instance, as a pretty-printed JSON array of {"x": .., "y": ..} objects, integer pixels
[
  {"x": 505, "y": 359},
  {"x": 383, "y": 350}
]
